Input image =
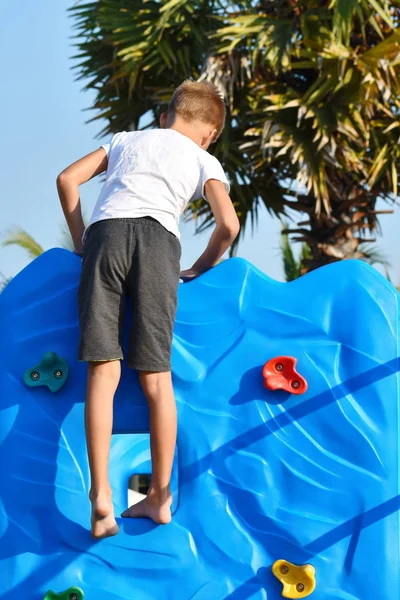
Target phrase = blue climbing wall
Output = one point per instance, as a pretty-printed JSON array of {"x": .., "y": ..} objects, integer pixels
[{"x": 259, "y": 475}]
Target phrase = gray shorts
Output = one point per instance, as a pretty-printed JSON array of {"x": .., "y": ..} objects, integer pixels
[{"x": 135, "y": 261}]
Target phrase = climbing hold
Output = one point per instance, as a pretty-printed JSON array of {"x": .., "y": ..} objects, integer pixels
[
  {"x": 51, "y": 371},
  {"x": 298, "y": 582},
  {"x": 280, "y": 374},
  {"x": 73, "y": 593}
]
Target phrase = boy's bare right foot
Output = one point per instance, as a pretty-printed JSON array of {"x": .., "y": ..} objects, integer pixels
[
  {"x": 153, "y": 507},
  {"x": 103, "y": 520}
]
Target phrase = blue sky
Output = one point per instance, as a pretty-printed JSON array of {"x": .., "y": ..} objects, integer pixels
[{"x": 44, "y": 129}]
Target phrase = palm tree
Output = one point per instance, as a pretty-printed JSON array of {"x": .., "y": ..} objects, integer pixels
[
  {"x": 294, "y": 268},
  {"x": 324, "y": 119},
  {"x": 22, "y": 239},
  {"x": 312, "y": 91}
]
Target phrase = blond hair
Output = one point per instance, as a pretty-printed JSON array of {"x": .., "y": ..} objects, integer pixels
[{"x": 198, "y": 101}]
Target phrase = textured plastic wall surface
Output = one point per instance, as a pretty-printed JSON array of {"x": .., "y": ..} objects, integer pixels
[{"x": 262, "y": 475}]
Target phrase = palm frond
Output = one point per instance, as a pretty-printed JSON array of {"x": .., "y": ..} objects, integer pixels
[
  {"x": 355, "y": 16},
  {"x": 374, "y": 256},
  {"x": 290, "y": 265},
  {"x": 19, "y": 237},
  {"x": 4, "y": 281},
  {"x": 66, "y": 239}
]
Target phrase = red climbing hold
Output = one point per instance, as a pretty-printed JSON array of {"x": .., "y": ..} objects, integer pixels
[{"x": 280, "y": 374}]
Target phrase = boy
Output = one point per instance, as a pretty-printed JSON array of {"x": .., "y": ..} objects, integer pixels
[{"x": 131, "y": 252}]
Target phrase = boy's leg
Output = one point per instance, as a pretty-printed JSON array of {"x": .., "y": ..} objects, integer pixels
[
  {"x": 158, "y": 390},
  {"x": 101, "y": 299},
  {"x": 153, "y": 284},
  {"x": 103, "y": 379}
]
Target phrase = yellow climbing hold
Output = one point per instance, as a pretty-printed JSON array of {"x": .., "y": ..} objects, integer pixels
[{"x": 298, "y": 582}]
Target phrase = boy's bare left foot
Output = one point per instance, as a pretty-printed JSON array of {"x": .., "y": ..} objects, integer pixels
[
  {"x": 152, "y": 507},
  {"x": 103, "y": 520}
]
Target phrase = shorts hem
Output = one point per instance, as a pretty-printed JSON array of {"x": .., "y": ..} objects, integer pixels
[
  {"x": 165, "y": 368},
  {"x": 99, "y": 359}
]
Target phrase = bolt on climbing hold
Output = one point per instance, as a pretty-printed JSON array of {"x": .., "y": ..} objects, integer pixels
[
  {"x": 284, "y": 569},
  {"x": 280, "y": 374},
  {"x": 297, "y": 581},
  {"x": 73, "y": 593},
  {"x": 52, "y": 371}
]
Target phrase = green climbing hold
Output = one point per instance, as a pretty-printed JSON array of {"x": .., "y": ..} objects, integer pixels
[
  {"x": 73, "y": 593},
  {"x": 51, "y": 371}
]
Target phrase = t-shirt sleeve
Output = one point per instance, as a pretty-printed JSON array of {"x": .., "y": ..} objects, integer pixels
[
  {"x": 211, "y": 168},
  {"x": 106, "y": 147}
]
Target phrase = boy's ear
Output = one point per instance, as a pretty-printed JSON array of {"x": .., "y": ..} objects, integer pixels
[
  {"x": 163, "y": 120},
  {"x": 209, "y": 138}
]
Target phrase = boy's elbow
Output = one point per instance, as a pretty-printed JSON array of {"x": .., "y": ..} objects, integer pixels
[
  {"x": 60, "y": 179},
  {"x": 63, "y": 178},
  {"x": 230, "y": 230},
  {"x": 235, "y": 229}
]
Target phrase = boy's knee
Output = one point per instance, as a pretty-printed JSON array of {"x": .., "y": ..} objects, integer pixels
[
  {"x": 154, "y": 383},
  {"x": 109, "y": 369}
]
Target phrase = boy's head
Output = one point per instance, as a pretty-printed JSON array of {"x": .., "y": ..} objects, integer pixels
[{"x": 197, "y": 106}]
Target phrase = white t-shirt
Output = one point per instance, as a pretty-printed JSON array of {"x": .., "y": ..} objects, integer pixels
[{"x": 154, "y": 173}]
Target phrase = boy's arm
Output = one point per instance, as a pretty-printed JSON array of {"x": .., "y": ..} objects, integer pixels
[
  {"x": 226, "y": 229},
  {"x": 68, "y": 183}
]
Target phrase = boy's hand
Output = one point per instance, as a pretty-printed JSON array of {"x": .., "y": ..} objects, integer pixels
[{"x": 188, "y": 275}]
